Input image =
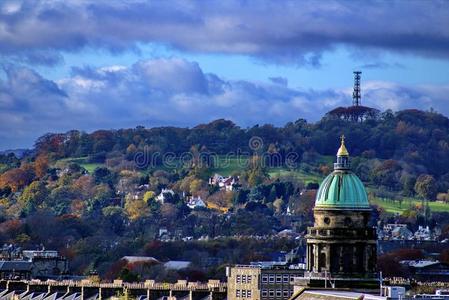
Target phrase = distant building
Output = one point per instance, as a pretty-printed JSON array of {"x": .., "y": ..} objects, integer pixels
[
  {"x": 141, "y": 259},
  {"x": 224, "y": 183},
  {"x": 34, "y": 264},
  {"x": 15, "y": 269},
  {"x": 423, "y": 234},
  {"x": 177, "y": 264},
  {"x": 427, "y": 270},
  {"x": 196, "y": 202},
  {"x": 165, "y": 193},
  {"x": 439, "y": 295},
  {"x": 401, "y": 232},
  {"x": 262, "y": 281},
  {"x": 326, "y": 294},
  {"x": 46, "y": 263}
]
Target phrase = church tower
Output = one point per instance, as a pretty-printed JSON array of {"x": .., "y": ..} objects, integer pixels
[{"x": 341, "y": 245}]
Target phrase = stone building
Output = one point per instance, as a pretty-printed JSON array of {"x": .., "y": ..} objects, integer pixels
[
  {"x": 341, "y": 246},
  {"x": 258, "y": 282}
]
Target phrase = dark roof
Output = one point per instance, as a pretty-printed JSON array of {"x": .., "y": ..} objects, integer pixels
[{"x": 16, "y": 265}]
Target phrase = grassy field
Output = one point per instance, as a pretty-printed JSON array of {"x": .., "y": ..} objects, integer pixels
[
  {"x": 408, "y": 203},
  {"x": 297, "y": 174},
  {"x": 82, "y": 161},
  {"x": 226, "y": 166}
]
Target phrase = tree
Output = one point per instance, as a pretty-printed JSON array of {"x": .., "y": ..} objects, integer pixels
[
  {"x": 102, "y": 197},
  {"x": 149, "y": 196},
  {"x": 195, "y": 186},
  {"x": 278, "y": 204},
  {"x": 41, "y": 165},
  {"x": 33, "y": 196},
  {"x": 169, "y": 211},
  {"x": 60, "y": 199},
  {"x": 115, "y": 216},
  {"x": 16, "y": 178},
  {"x": 136, "y": 209},
  {"x": 256, "y": 172},
  {"x": 426, "y": 187}
]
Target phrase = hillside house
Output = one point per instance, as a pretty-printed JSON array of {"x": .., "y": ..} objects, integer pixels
[
  {"x": 196, "y": 202},
  {"x": 224, "y": 183}
]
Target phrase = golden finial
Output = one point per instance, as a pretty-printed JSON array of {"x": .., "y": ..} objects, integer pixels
[{"x": 342, "y": 151}]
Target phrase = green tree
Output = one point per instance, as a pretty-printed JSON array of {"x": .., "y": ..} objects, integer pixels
[
  {"x": 33, "y": 196},
  {"x": 426, "y": 187}
]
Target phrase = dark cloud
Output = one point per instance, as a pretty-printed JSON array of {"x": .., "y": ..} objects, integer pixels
[
  {"x": 381, "y": 65},
  {"x": 176, "y": 92},
  {"x": 282, "y": 32}
]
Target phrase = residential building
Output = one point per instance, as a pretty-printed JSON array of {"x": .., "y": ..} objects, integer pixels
[
  {"x": 427, "y": 270},
  {"x": 261, "y": 281},
  {"x": 224, "y": 183},
  {"x": 196, "y": 202},
  {"x": 164, "y": 195},
  {"x": 34, "y": 264},
  {"x": 177, "y": 264}
]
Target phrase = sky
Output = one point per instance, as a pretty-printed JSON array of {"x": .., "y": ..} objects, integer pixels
[{"x": 93, "y": 64}]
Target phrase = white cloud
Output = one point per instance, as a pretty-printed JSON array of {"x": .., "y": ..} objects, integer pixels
[{"x": 176, "y": 92}]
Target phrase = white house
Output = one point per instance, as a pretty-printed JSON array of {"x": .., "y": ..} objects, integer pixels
[
  {"x": 162, "y": 197},
  {"x": 196, "y": 202},
  {"x": 224, "y": 183}
]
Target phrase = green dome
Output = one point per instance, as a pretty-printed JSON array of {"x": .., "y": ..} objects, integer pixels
[{"x": 341, "y": 189}]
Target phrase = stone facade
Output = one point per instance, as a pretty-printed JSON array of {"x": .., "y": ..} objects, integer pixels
[
  {"x": 342, "y": 244},
  {"x": 260, "y": 283}
]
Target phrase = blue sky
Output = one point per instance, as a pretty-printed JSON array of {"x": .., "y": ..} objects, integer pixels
[{"x": 91, "y": 65}]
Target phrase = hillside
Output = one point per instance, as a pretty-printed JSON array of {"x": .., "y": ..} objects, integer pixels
[{"x": 115, "y": 189}]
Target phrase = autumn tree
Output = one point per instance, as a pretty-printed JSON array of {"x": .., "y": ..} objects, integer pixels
[
  {"x": 41, "y": 165},
  {"x": 33, "y": 196},
  {"x": 136, "y": 209},
  {"x": 149, "y": 196},
  {"x": 256, "y": 173},
  {"x": 426, "y": 187},
  {"x": 16, "y": 178}
]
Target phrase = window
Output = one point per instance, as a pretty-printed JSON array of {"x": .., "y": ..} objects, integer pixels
[
  {"x": 264, "y": 278},
  {"x": 278, "y": 293},
  {"x": 237, "y": 279},
  {"x": 271, "y": 278},
  {"x": 285, "y": 293},
  {"x": 285, "y": 278},
  {"x": 237, "y": 293},
  {"x": 271, "y": 293},
  {"x": 327, "y": 220},
  {"x": 264, "y": 293},
  {"x": 348, "y": 221},
  {"x": 292, "y": 278},
  {"x": 248, "y": 279},
  {"x": 248, "y": 293},
  {"x": 243, "y": 278},
  {"x": 278, "y": 278},
  {"x": 243, "y": 293}
]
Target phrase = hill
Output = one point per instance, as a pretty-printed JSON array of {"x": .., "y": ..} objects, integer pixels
[{"x": 82, "y": 193}]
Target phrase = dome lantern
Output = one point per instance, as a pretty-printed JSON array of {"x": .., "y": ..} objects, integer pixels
[{"x": 342, "y": 189}]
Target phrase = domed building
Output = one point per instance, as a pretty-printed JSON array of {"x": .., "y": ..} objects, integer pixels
[{"x": 341, "y": 246}]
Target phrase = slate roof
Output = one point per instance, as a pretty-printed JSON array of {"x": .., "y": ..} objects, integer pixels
[{"x": 16, "y": 265}]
